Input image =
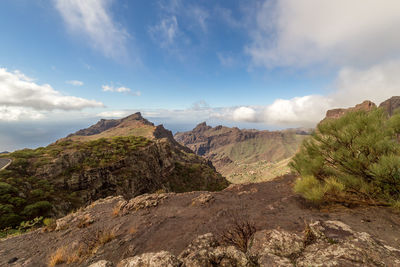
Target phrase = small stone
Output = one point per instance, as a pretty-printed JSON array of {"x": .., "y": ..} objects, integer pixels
[{"x": 102, "y": 263}]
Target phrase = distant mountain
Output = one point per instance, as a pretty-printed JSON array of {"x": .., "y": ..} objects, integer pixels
[
  {"x": 244, "y": 155},
  {"x": 126, "y": 157},
  {"x": 390, "y": 106},
  {"x": 4, "y": 152}
]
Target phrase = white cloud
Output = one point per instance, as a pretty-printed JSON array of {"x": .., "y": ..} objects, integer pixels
[
  {"x": 352, "y": 86},
  {"x": 21, "y": 98},
  {"x": 92, "y": 19},
  {"x": 165, "y": 32},
  {"x": 121, "y": 89},
  {"x": 110, "y": 88},
  {"x": 376, "y": 83},
  {"x": 245, "y": 114},
  {"x": 179, "y": 22},
  {"x": 74, "y": 83},
  {"x": 18, "y": 91},
  {"x": 114, "y": 114},
  {"x": 19, "y": 113},
  {"x": 304, "y": 32},
  {"x": 298, "y": 111}
]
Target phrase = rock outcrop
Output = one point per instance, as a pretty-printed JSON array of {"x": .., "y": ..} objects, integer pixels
[
  {"x": 323, "y": 243},
  {"x": 391, "y": 105},
  {"x": 339, "y": 112}
]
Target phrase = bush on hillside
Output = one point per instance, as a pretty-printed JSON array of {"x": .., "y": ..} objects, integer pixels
[{"x": 354, "y": 157}]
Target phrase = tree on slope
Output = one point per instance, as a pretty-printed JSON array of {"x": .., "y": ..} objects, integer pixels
[{"x": 355, "y": 157}]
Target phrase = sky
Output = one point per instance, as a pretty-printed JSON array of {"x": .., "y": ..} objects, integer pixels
[{"x": 265, "y": 64}]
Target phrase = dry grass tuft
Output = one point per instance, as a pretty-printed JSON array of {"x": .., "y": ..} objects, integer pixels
[
  {"x": 104, "y": 237},
  {"x": 309, "y": 236},
  {"x": 85, "y": 221},
  {"x": 58, "y": 257},
  {"x": 132, "y": 230},
  {"x": 116, "y": 210}
]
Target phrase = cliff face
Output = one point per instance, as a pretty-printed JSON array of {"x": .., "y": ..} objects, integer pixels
[
  {"x": 242, "y": 155},
  {"x": 77, "y": 170},
  {"x": 157, "y": 166},
  {"x": 337, "y": 113},
  {"x": 390, "y": 106}
]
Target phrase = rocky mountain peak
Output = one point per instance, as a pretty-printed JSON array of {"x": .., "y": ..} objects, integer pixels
[
  {"x": 106, "y": 127},
  {"x": 136, "y": 117},
  {"x": 201, "y": 127}
]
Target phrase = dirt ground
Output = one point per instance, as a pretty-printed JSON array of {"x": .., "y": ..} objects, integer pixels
[{"x": 178, "y": 219}]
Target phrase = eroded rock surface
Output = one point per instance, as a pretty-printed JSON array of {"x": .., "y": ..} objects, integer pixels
[{"x": 323, "y": 243}]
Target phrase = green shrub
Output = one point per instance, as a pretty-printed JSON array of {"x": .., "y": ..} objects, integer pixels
[
  {"x": 9, "y": 220},
  {"x": 37, "y": 209},
  {"x": 357, "y": 154},
  {"x": 6, "y": 188},
  {"x": 310, "y": 188},
  {"x": 49, "y": 221}
]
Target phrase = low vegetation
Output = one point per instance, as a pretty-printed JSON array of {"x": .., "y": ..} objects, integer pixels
[
  {"x": 24, "y": 195},
  {"x": 355, "y": 158},
  {"x": 88, "y": 245}
]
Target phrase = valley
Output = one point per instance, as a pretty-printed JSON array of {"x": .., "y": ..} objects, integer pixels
[{"x": 243, "y": 155}]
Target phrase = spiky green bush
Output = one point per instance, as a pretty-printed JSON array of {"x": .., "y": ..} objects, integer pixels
[{"x": 356, "y": 155}]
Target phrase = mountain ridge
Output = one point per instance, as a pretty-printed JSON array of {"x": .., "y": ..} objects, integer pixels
[{"x": 244, "y": 155}]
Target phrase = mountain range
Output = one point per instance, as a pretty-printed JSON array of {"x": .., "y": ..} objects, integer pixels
[
  {"x": 138, "y": 197},
  {"x": 244, "y": 155}
]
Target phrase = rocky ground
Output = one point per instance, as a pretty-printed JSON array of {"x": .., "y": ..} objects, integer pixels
[{"x": 193, "y": 229}]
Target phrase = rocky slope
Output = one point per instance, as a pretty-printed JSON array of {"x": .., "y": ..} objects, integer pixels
[
  {"x": 108, "y": 159},
  {"x": 262, "y": 224},
  {"x": 244, "y": 155}
]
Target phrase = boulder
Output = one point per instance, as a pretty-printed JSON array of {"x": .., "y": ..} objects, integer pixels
[
  {"x": 102, "y": 263},
  {"x": 159, "y": 259}
]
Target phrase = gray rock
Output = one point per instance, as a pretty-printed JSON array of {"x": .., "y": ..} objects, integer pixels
[
  {"x": 159, "y": 259},
  {"x": 102, "y": 263},
  {"x": 205, "y": 251}
]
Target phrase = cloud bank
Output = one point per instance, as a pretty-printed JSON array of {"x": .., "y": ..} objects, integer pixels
[
  {"x": 23, "y": 98},
  {"x": 299, "y": 33}
]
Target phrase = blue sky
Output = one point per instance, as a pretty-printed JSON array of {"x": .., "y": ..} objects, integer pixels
[{"x": 264, "y": 64}]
